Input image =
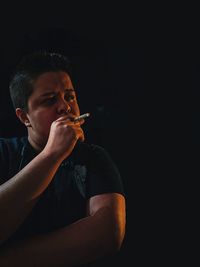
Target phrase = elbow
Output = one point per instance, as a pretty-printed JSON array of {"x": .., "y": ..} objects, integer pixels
[
  {"x": 118, "y": 231},
  {"x": 118, "y": 240},
  {"x": 115, "y": 239},
  {"x": 119, "y": 243},
  {"x": 113, "y": 246}
]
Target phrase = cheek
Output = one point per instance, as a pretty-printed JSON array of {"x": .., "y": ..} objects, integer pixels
[
  {"x": 42, "y": 122},
  {"x": 46, "y": 121}
]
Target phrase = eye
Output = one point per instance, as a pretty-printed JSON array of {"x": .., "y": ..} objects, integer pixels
[
  {"x": 69, "y": 98},
  {"x": 50, "y": 100}
]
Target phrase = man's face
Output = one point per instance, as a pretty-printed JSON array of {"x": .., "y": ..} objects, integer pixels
[{"x": 52, "y": 96}]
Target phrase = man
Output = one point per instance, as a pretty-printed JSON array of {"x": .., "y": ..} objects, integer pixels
[{"x": 61, "y": 199}]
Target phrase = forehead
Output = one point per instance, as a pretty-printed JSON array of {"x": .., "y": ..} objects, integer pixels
[{"x": 53, "y": 80}]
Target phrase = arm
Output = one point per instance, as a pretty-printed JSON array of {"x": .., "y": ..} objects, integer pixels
[
  {"x": 90, "y": 238},
  {"x": 19, "y": 194},
  {"x": 114, "y": 208}
]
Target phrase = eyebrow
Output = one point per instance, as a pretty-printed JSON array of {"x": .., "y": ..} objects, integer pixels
[{"x": 54, "y": 93}]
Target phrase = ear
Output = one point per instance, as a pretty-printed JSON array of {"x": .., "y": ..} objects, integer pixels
[{"x": 22, "y": 115}]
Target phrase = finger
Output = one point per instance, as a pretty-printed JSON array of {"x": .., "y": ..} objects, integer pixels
[
  {"x": 66, "y": 118},
  {"x": 80, "y": 122},
  {"x": 70, "y": 123},
  {"x": 80, "y": 134}
]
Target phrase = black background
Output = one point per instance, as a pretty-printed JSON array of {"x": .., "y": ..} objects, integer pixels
[
  {"x": 106, "y": 47},
  {"x": 196, "y": 97}
]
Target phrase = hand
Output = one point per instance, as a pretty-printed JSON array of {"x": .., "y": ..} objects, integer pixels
[{"x": 64, "y": 133}]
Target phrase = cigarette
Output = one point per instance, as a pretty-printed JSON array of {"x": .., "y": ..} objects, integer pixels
[{"x": 82, "y": 117}]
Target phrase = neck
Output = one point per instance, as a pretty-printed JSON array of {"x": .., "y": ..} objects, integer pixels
[{"x": 38, "y": 147}]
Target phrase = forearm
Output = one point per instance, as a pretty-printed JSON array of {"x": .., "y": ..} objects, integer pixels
[
  {"x": 79, "y": 243},
  {"x": 19, "y": 194}
]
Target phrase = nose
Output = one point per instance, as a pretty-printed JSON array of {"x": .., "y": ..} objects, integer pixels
[{"x": 63, "y": 106}]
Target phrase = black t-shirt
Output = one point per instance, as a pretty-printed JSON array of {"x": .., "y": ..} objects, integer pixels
[{"x": 87, "y": 172}]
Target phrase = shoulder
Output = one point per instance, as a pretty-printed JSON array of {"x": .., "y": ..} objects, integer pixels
[
  {"x": 11, "y": 145},
  {"x": 10, "y": 149}
]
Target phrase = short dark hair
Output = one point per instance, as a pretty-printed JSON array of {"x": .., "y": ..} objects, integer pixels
[{"x": 29, "y": 69}]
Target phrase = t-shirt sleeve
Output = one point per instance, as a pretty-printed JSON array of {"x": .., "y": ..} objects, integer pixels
[{"x": 103, "y": 176}]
